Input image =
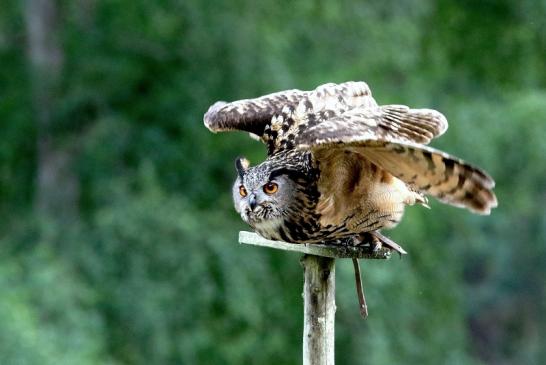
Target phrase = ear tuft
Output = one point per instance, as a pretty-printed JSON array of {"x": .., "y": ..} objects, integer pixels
[{"x": 242, "y": 164}]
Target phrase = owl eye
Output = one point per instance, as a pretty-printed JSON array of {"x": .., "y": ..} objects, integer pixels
[
  {"x": 271, "y": 188},
  {"x": 242, "y": 191}
]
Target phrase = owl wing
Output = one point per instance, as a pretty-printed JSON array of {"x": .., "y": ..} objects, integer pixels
[
  {"x": 392, "y": 138},
  {"x": 253, "y": 115},
  {"x": 250, "y": 115},
  {"x": 388, "y": 122}
]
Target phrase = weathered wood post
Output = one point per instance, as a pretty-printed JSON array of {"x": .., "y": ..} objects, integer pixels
[{"x": 318, "y": 290}]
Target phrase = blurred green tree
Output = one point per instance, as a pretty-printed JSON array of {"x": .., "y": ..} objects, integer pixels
[{"x": 149, "y": 272}]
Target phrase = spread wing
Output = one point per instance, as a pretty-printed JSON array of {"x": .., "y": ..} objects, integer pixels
[
  {"x": 253, "y": 115},
  {"x": 392, "y": 138},
  {"x": 250, "y": 115},
  {"x": 346, "y": 117},
  {"x": 388, "y": 122}
]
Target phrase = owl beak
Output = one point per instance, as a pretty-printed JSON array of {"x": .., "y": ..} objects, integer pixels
[{"x": 252, "y": 202}]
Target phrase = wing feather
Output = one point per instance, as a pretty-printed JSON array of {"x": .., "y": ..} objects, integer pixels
[
  {"x": 389, "y": 122},
  {"x": 253, "y": 115},
  {"x": 445, "y": 177},
  {"x": 346, "y": 116},
  {"x": 393, "y": 137},
  {"x": 427, "y": 170},
  {"x": 250, "y": 115}
]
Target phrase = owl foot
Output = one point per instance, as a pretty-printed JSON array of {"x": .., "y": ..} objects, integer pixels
[{"x": 378, "y": 240}]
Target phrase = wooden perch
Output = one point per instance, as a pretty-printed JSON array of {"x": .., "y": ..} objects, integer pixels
[
  {"x": 319, "y": 289},
  {"x": 335, "y": 251}
]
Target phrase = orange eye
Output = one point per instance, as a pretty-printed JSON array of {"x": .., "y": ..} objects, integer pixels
[
  {"x": 242, "y": 191},
  {"x": 271, "y": 188}
]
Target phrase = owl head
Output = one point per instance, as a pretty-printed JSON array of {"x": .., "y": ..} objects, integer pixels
[{"x": 263, "y": 193}]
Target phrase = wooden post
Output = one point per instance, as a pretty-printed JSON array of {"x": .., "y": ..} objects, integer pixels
[
  {"x": 318, "y": 290},
  {"x": 319, "y": 310}
]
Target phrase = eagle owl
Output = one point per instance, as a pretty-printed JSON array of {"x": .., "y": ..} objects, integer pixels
[{"x": 342, "y": 167}]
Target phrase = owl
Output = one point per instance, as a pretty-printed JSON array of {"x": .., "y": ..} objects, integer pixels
[{"x": 340, "y": 167}]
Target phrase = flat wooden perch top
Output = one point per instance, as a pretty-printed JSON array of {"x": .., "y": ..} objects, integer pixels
[{"x": 322, "y": 249}]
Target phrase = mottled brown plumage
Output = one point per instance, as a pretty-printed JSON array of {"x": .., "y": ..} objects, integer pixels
[{"x": 342, "y": 166}]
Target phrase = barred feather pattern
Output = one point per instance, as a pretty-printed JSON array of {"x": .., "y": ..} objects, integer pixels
[
  {"x": 427, "y": 170},
  {"x": 356, "y": 164},
  {"x": 252, "y": 115},
  {"x": 387, "y": 123}
]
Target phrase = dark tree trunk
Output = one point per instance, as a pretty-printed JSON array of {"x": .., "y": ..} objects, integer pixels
[{"x": 57, "y": 186}]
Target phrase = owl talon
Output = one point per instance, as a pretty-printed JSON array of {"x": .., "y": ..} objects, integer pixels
[
  {"x": 383, "y": 240},
  {"x": 377, "y": 244}
]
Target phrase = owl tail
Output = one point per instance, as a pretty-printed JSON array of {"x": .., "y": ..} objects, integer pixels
[{"x": 436, "y": 173}]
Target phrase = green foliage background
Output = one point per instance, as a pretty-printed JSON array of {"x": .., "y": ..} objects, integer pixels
[{"x": 150, "y": 271}]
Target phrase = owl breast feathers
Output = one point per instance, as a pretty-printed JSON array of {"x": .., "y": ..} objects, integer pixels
[{"x": 352, "y": 164}]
